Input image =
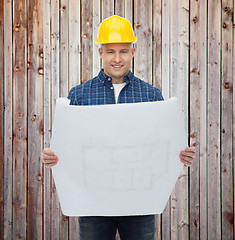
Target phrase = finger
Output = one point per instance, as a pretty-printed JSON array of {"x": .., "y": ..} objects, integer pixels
[
  {"x": 46, "y": 156},
  {"x": 48, "y": 151},
  {"x": 186, "y": 163},
  {"x": 190, "y": 149},
  {"x": 50, "y": 165},
  {"x": 49, "y": 161},
  {"x": 187, "y": 154},
  {"x": 186, "y": 158}
]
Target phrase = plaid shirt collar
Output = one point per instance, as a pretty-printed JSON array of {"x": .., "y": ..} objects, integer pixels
[{"x": 106, "y": 80}]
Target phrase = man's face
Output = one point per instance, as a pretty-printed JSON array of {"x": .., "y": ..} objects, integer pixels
[{"x": 116, "y": 59}]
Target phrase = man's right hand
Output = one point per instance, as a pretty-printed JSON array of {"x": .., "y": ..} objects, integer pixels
[{"x": 49, "y": 158}]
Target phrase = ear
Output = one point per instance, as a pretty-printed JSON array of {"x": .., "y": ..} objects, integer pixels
[
  {"x": 132, "y": 52},
  {"x": 100, "y": 52}
]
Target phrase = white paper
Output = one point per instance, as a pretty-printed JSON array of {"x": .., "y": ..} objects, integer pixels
[{"x": 118, "y": 159}]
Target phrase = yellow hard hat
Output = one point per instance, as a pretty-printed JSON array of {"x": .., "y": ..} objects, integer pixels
[{"x": 115, "y": 29}]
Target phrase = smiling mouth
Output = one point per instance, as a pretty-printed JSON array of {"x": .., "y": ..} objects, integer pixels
[{"x": 117, "y": 66}]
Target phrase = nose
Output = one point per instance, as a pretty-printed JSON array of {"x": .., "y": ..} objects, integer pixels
[{"x": 117, "y": 58}]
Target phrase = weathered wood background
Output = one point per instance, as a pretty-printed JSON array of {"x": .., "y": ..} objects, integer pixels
[{"x": 184, "y": 47}]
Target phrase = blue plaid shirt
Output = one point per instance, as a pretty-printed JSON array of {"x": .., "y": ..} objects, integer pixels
[{"x": 100, "y": 91}]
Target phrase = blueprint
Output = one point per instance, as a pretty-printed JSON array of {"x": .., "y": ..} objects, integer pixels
[{"x": 117, "y": 159}]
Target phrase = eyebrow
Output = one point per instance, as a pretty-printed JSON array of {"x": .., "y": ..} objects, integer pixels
[{"x": 108, "y": 49}]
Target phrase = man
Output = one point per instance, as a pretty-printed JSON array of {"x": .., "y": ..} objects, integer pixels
[{"x": 115, "y": 83}]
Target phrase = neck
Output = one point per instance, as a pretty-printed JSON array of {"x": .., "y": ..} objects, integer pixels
[{"x": 117, "y": 81}]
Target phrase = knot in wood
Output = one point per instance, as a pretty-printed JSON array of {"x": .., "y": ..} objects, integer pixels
[
  {"x": 229, "y": 217},
  {"x": 65, "y": 218},
  {"x": 39, "y": 177},
  {"x": 19, "y": 236},
  {"x": 226, "y": 9},
  {"x": 137, "y": 25},
  {"x": 225, "y": 25},
  {"x": 195, "y": 19},
  {"x": 193, "y": 135},
  {"x": 40, "y": 71},
  {"x": 226, "y": 85},
  {"x": 21, "y": 207},
  {"x": 63, "y": 8},
  {"x": 53, "y": 190},
  {"x": 41, "y": 54},
  {"x": 17, "y": 28},
  {"x": 194, "y": 70},
  {"x": 20, "y": 115},
  {"x": 34, "y": 117},
  {"x": 84, "y": 36},
  {"x": 16, "y": 69}
]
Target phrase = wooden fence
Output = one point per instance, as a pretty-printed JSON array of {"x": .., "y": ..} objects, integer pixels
[{"x": 185, "y": 47}]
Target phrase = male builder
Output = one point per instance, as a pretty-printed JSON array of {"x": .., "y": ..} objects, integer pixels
[{"x": 115, "y": 83}]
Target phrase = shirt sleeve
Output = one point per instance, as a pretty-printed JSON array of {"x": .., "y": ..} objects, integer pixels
[
  {"x": 158, "y": 95},
  {"x": 72, "y": 96}
]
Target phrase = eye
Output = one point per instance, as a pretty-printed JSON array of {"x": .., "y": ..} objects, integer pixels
[
  {"x": 109, "y": 51},
  {"x": 124, "y": 51}
]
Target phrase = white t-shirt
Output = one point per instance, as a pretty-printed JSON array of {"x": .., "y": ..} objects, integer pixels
[{"x": 117, "y": 89}]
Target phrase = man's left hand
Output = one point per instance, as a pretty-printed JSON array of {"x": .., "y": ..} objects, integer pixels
[{"x": 187, "y": 156}]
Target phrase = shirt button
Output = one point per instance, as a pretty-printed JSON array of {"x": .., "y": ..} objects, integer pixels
[
  {"x": 109, "y": 79},
  {"x": 111, "y": 87}
]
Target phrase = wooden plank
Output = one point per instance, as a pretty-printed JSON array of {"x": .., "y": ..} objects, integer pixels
[
  {"x": 195, "y": 111},
  {"x": 143, "y": 29},
  {"x": 74, "y": 76},
  {"x": 233, "y": 109},
  {"x": 119, "y": 7},
  {"x": 198, "y": 82},
  {"x": 8, "y": 116},
  {"x": 226, "y": 121},
  {"x": 74, "y": 43},
  {"x": 63, "y": 80},
  {"x": 64, "y": 53},
  {"x": 203, "y": 117},
  {"x": 128, "y": 10},
  {"x": 157, "y": 78},
  {"x": 1, "y": 118},
  {"x": 179, "y": 88},
  {"x": 166, "y": 215},
  {"x": 166, "y": 221},
  {"x": 19, "y": 118},
  {"x": 213, "y": 120},
  {"x": 55, "y": 69},
  {"x": 107, "y": 8},
  {"x": 158, "y": 225},
  {"x": 157, "y": 43},
  {"x": 96, "y": 23},
  {"x": 166, "y": 50},
  {"x": 128, "y": 14},
  {"x": 47, "y": 114},
  {"x": 35, "y": 119},
  {"x": 86, "y": 42}
]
